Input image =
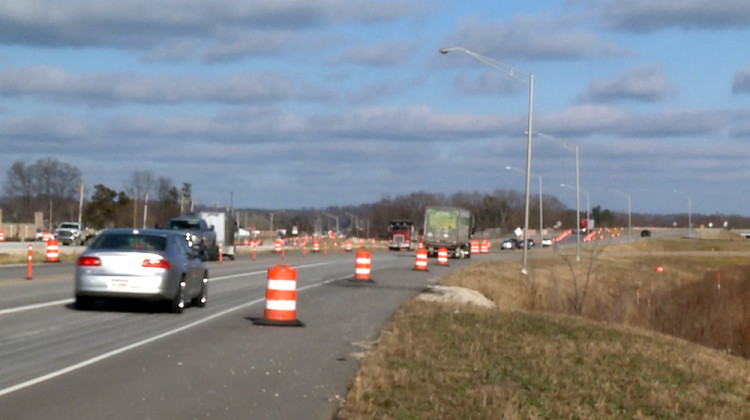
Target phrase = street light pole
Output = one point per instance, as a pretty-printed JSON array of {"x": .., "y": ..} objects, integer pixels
[
  {"x": 690, "y": 213},
  {"x": 511, "y": 71},
  {"x": 690, "y": 216},
  {"x": 630, "y": 220},
  {"x": 541, "y": 215},
  {"x": 565, "y": 145},
  {"x": 588, "y": 205},
  {"x": 578, "y": 189},
  {"x": 541, "y": 203},
  {"x": 578, "y": 210}
]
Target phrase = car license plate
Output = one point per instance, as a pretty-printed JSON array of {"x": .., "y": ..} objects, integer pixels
[{"x": 118, "y": 284}]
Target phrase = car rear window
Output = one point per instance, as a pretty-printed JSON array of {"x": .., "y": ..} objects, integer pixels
[
  {"x": 183, "y": 224},
  {"x": 130, "y": 242}
]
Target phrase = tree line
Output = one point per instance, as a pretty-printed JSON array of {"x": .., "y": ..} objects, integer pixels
[{"x": 53, "y": 187}]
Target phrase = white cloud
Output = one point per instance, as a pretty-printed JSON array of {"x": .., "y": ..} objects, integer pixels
[
  {"x": 645, "y": 84},
  {"x": 652, "y": 15},
  {"x": 163, "y": 28},
  {"x": 742, "y": 81},
  {"x": 532, "y": 38},
  {"x": 386, "y": 54},
  {"x": 488, "y": 83},
  {"x": 588, "y": 120},
  {"x": 119, "y": 87}
]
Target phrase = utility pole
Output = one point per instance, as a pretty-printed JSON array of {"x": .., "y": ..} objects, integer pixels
[
  {"x": 145, "y": 210},
  {"x": 80, "y": 205}
]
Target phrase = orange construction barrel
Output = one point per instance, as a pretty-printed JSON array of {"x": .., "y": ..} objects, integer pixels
[
  {"x": 362, "y": 266},
  {"x": 281, "y": 298},
  {"x": 442, "y": 257},
  {"x": 421, "y": 262},
  {"x": 53, "y": 251}
]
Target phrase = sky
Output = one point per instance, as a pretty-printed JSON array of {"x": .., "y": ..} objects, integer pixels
[{"x": 297, "y": 104}]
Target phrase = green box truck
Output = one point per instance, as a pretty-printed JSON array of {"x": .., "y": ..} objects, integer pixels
[{"x": 450, "y": 228}]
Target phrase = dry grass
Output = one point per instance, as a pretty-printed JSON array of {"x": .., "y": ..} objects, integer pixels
[
  {"x": 38, "y": 256},
  {"x": 531, "y": 359}
]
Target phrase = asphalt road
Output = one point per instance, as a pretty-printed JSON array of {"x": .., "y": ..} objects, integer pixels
[{"x": 122, "y": 361}]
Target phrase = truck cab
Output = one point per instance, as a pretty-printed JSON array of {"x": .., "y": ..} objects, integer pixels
[
  {"x": 71, "y": 233},
  {"x": 198, "y": 233},
  {"x": 400, "y": 235}
]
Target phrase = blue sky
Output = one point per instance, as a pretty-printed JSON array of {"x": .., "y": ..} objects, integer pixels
[{"x": 314, "y": 103}]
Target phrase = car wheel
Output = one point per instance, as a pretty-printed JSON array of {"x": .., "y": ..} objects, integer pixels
[
  {"x": 84, "y": 303},
  {"x": 177, "y": 304},
  {"x": 202, "y": 298}
]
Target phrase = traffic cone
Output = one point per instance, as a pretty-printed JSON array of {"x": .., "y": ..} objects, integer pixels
[
  {"x": 53, "y": 251},
  {"x": 362, "y": 265},
  {"x": 281, "y": 298},
  {"x": 442, "y": 257},
  {"x": 421, "y": 262}
]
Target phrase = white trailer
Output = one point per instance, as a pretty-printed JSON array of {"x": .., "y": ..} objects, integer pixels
[{"x": 225, "y": 227}]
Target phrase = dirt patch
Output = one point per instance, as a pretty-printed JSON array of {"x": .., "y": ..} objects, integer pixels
[{"x": 455, "y": 295}]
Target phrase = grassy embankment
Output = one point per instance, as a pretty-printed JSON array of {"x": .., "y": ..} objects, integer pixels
[{"x": 609, "y": 337}]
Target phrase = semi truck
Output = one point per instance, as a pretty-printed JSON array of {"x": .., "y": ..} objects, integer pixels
[
  {"x": 225, "y": 227},
  {"x": 401, "y": 233},
  {"x": 450, "y": 228}
]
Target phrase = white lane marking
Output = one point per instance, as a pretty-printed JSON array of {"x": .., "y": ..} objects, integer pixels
[
  {"x": 35, "y": 306},
  {"x": 67, "y": 301},
  {"x": 135, "y": 345}
]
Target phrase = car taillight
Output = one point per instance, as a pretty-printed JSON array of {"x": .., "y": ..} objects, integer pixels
[
  {"x": 89, "y": 262},
  {"x": 156, "y": 263}
]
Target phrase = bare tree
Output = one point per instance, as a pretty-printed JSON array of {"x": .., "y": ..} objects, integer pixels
[
  {"x": 577, "y": 298},
  {"x": 138, "y": 186},
  {"x": 54, "y": 181},
  {"x": 185, "y": 195},
  {"x": 168, "y": 200},
  {"x": 18, "y": 184}
]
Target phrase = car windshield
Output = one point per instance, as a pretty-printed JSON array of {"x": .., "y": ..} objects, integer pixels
[
  {"x": 68, "y": 226},
  {"x": 130, "y": 242},
  {"x": 183, "y": 224}
]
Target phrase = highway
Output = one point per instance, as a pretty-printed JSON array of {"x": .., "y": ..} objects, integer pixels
[
  {"x": 124, "y": 361},
  {"x": 121, "y": 361}
]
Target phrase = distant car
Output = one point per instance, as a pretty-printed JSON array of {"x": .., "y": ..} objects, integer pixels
[
  {"x": 511, "y": 243},
  {"x": 149, "y": 264},
  {"x": 546, "y": 242},
  {"x": 39, "y": 235},
  {"x": 645, "y": 233},
  {"x": 530, "y": 243}
]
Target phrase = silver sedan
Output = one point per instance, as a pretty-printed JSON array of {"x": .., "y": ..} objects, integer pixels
[{"x": 150, "y": 264}]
